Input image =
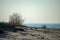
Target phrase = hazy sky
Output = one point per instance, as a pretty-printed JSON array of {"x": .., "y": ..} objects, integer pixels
[{"x": 33, "y": 11}]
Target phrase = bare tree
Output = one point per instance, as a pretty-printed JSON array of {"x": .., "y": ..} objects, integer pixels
[{"x": 15, "y": 19}]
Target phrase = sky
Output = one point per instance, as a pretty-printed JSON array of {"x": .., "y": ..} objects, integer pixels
[{"x": 32, "y": 11}]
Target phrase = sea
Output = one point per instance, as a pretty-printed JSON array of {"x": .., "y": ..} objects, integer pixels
[{"x": 41, "y": 25}]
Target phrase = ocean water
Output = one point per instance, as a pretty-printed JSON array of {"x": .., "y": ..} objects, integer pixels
[{"x": 41, "y": 25}]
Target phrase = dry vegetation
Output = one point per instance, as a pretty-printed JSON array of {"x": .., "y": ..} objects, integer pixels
[{"x": 34, "y": 34}]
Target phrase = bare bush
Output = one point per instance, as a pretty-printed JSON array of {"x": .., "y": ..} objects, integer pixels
[{"x": 16, "y": 19}]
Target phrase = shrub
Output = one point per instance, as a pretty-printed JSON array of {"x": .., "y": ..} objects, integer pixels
[
  {"x": 1, "y": 31},
  {"x": 44, "y": 26},
  {"x": 15, "y": 19}
]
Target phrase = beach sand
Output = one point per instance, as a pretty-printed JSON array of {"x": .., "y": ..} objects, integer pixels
[{"x": 34, "y": 34}]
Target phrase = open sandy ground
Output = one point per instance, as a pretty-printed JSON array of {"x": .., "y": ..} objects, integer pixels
[{"x": 33, "y": 34}]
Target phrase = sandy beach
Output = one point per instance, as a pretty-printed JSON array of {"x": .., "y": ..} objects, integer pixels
[{"x": 33, "y": 34}]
